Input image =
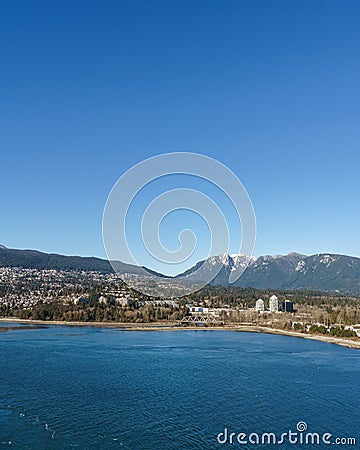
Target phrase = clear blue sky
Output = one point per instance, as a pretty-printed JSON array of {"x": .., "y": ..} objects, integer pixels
[{"x": 270, "y": 88}]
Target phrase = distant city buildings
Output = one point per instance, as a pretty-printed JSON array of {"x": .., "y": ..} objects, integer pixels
[
  {"x": 275, "y": 305},
  {"x": 24, "y": 289}
]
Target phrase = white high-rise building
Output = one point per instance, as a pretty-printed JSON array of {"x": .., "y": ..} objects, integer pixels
[
  {"x": 274, "y": 304},
  {"x": 260, "y": 305}
]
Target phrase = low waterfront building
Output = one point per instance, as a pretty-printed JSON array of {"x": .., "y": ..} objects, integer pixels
[{"x": 199, "y": 309}]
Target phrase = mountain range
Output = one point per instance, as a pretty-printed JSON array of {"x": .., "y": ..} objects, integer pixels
[{"x": 323, "y": 272}]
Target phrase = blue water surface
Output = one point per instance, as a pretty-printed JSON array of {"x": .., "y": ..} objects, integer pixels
[{"x": 98, "y": 388}]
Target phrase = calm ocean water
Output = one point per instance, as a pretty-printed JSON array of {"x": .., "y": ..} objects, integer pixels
[{"x": 96, "y": 388}]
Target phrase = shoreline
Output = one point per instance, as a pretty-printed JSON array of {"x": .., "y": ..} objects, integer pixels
[{"x": 173, "y": 326}]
